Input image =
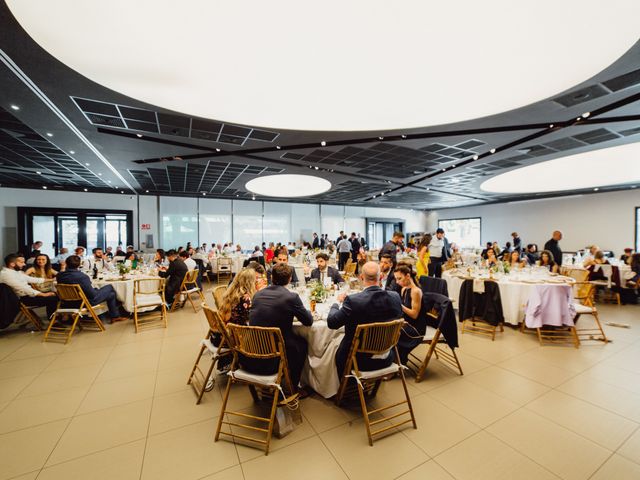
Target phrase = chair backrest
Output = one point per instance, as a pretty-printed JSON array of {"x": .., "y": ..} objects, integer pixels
[
  {"x": 257, "y": 342},
  {"x": 350, "y": 269},
  {"x": 583, "y": 292},
  {"x": 70, "y": 293},
  {"x": 434, "y": 285},
  {"x": 148, "y": 286},
  {"x": 218, "y": 294},
  {"x": 377, "y": 338},
  {"x": 578, "y": 274},
  {"x": 190, "y": 277},
  {"x": 224, "y": 262},
  {"x": 216, "y": 325}
]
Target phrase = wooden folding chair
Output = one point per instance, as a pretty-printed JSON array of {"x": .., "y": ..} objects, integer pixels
[
  {"x": 188, "y": 287},
  {"x": 218, "y": 294},
  {"x": 350, "y": 270},
  {"x": 199, "y": 380},
  {"x": 583, "y": 293},
  {"x": 376, "y": 339},
  {"x": 29, "y": 314},
  {"x": 479, "y": 325},
  {"x": 263, "y": 344},
  {"x": 224, "y": 267},
  {"x": 148, "y": 295},
  {"x": 73, "y": 293},
  {"x": 437, "y": 345}
]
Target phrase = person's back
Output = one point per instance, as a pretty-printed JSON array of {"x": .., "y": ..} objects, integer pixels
[{"x": 74, "y": 276}]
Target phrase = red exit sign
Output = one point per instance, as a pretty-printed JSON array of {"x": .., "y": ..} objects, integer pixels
[{"x": 145, "y": 226}]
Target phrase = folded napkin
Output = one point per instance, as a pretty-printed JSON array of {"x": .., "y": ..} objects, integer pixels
[{"x": 478, "y": 286}]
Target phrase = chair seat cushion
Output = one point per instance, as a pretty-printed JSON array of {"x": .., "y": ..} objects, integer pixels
[
  {"x": 583, "y": 308},
  {"x": 68, "y": 310},
  {"x": 145, "y": 300},
  {"x": 429, "y": 334},
  {"x": 212, "y": 348},
  {"x": 253, "y": 377},
  {"x": 367, "y": 374}
]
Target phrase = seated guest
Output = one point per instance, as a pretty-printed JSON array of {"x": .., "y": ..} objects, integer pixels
[
  {"x": 119, "y": 252},
  {"x": 42, "y": 269},
  {"x": 496, "y": 248},
  {"x": 484, "y": 252},
  {"x": 175, "y": 273},
  {"x": 79, "y": 252},
  {"x": 256, "y": 252},
  {"x": 635, "y": 268},
  {"x": 35, "y": 249},
  {"x": 160, "y": 260},
  {"x": 532, "y": 253},
  {"x": 515, "y": 261},
  {"x": 589, "y": 258},
  {"x": 99, "y": 261},
  {"x": 61, "y": 257},
  {"x": 411, "y": 296},
  {"x": 594, "y": 272},
  {"x": 188, "y": 261},
  {"x": 238, "y": 249},
  {"x": 283, "y": 257},
  {"x": 95, "y": 296},
  {"x": 131, "y": 254},
  {"x": 13, "y": 276},
  {"x": 387, "y": 280},
  {"x": 236, "y": 301},
  {"x": 109, "y": 253},
  {"x": 275, "y": 306},
  {"x": 263, "y": 277},
  {"x": 626, "y": 256},
  {"x": 491, "y": 260},
  {"x": 269, "y": 253},
  {"x": 371, "y": 305},
  {"x": 324, "y": 271},
  {"x": 547, "y": 261}
]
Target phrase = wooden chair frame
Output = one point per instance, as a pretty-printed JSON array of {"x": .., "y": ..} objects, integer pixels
[
  {"x": 152, "y": 318},
  {"x": 480, "y": 326},
  {"x": 218, "y": 293},
  {"x": 72, "y": 293},
  {"x": 259, "y": 343},
  {"x": 350, "y": 270},
  {"x": 226, "y": 262},
  {"x": 584, "y": 293},
  {"x": 376, "y": 339},
  {"x": 450, "y": 359},
  {"x": 190, "y": 278},
  {"x": 27, "y": 312},
  {"x": 198, "y": 379}
]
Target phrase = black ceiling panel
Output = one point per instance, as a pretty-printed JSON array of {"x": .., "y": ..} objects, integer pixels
[
  {"x": 583, "y": 95},
  {"x": 627, "y": 80}
]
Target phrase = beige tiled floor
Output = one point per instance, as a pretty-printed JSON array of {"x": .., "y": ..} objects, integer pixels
[{"x": 115, "y": 405}]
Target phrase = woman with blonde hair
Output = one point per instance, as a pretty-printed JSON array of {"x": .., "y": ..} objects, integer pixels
[
  {"x": 236, "y": 301},
  {"x": 422, "y": 265}
]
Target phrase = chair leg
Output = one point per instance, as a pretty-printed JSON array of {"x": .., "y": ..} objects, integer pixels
[
  {"x": 206, "y": 379},
  {"x": 597, "y": 319},
  {"x": 457, "y": 361},
  {"x": 224, "y": 407},
  {"x": 406, "y": 393},
  {"x": 274, "y": 407},
  {"x": 576, "y": 340},
  {"x": 539, "y": 336},
  {"x": 425, "y": 363},
  {"x": 365, "y": 413}
]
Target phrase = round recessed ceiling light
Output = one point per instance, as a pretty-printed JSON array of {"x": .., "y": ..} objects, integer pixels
[
  {"x": 288, "y": 185},
  {"x": 608, "y": 166},
  {"x": 194, "y": 82},
  {"x": 15, "y": 107}
]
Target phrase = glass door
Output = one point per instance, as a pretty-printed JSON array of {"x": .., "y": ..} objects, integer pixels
[
  {"x": 68, "y": 232},
  {"x": 44, "y": 230},
  {"x": 95, "y": 233}
]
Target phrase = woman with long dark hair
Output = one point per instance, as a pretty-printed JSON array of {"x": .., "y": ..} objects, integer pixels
[
  {"x": 416, "y": 326},
  {"x": 42, "y": 269}
]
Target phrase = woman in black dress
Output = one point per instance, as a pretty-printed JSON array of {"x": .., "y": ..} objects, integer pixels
[{"x": 416, "y": 326}]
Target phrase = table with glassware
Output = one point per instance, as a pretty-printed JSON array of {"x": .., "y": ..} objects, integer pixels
[
  {"x": 515, "y": 286},
  {"x": 320, "y": 371},
  {"x": 124, "y": 285}
]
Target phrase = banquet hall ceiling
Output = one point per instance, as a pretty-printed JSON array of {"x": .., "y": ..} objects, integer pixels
[{"x": 69, "y": 133}]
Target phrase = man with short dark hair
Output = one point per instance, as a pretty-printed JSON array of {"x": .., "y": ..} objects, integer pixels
[
  {"x": 275, "y": 306},
  {"x": 387, "y": 281},
  {"x": 340, "y": 237},
  {"x": 13, "y": 276},
  {"x": 344, "y": 251},
  {"x": 355, "y": 247},
  {"x": 175, "y": 274},
  {"x": 439, "y": 253},
  {"x": 391, "y": 247},
  {"x": 188, "y": 261},
  {"x": 373, "y": 304},
  {"x": 324, "y": 271},
  {"x": 98, "y": 260},
  {"x": 316, "y": 242},
  {"x": 95, "y": 296},
  {"x": 553, "y": 246},
  {"x": 283, "y": 257}
]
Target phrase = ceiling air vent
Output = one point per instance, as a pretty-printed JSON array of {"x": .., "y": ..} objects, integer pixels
[
  {"x": 627, "y": 80},
  {"x": 580, "y": 96}
]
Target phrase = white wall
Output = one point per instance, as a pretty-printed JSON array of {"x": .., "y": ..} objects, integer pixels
[
  {"x": 604, "y": 219},
  {"x": 302, "y": 220}
]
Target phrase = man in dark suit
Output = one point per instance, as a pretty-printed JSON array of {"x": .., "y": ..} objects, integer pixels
[
  {"x": 340, "y": 237},
  {"x": 553, "y": 246},
  {"x": 282, "y": 256},
  {"x": 95, "y": 296},
  {"x": 369, "y": 306},
  {"x": 355, "y": 247},
  {"x": 387, "y": 281},
  {"x": 175, "y": 273},
  {"x": 323, "y": 241},
  {"x": 275, "y": 306},
  {"x": 391, "y": 247},
  {"x": 324, "y": 271},
  {"x": 316, "y": 241}
]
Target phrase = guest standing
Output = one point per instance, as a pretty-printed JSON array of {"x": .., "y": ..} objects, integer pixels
[
  {"x": 344, "y": 251},
  {"x": 439, "y": 253},
  {"x": 553, "y": 246}
]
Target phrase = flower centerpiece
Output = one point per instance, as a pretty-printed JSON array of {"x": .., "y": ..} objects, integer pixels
[
  {"x": 318, "y": 293},
  {"x": 506, "y": 267},
  {"x": 123, "y": 269}
]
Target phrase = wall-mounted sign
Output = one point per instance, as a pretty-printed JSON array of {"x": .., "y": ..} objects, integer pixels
[{"x": 145, "y": 226}]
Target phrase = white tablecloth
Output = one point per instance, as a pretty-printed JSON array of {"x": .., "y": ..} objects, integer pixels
[
  {"x": 236, "y": 263},
  {"x": 124, "y": 290},
  {"x": 513, "y": 294}
]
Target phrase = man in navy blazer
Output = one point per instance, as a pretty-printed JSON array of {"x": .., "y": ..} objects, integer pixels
[
  {"x": 95, "y": 295},
  {"x": 324, "y": 271},
  {"x": 275, "y": 306},
  {"x": 372, "y": 305}
]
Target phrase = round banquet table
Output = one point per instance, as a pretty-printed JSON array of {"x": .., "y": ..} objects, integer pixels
[
  {"x": 236, "y": 263},
  {"x": 124, "y": 289},
  {"x": 514, "y": 294},
  {"x": 320, "y": 371}
]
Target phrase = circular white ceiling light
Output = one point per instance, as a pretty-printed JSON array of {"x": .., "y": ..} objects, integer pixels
[
  {"x": 288, "y": 185},
  {"x": 357, "y": 65},
  {"x": 608, "y": 166}
]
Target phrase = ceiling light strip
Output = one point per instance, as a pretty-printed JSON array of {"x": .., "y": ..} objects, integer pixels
[{"x": 11, "y": 65}]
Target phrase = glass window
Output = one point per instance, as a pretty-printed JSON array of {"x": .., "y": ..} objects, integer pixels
[
  {"x": 332, "y": 220},
  {"x": 464, "y": 232},
  {"x": 276, "y": 223},
  {"x": 637, "y": 229},
  {"x": 247, "y": 223},
  {"x": 44, "y": 230},
  {"x": 305, "y": 220},
  {"x": 215, "y": 221},
  {"x": 179, "y": 219}
]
